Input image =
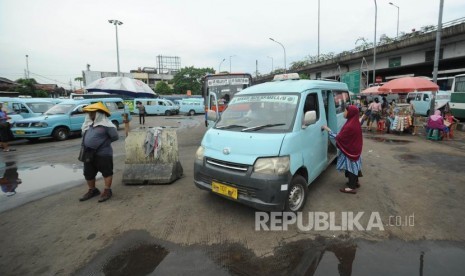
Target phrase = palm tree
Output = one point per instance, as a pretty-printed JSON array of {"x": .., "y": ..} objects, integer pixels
[{"x": 80, "y": 80}]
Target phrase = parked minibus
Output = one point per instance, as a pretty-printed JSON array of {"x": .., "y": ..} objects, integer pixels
[
  {"x": 27, "y": 107},
  {"x": 156, "y": 106}
]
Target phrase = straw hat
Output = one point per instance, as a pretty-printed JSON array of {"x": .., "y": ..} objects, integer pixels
[{"x": 97, "y": 107}]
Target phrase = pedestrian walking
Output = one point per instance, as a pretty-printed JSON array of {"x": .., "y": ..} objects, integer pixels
[
  {"x": 5, "y": 130},
  {"x": 376, "y": 110},
  {"x": 98, "y": 134},
  {"x": 349, "y": 141},
  {"x": 141, "y": 108}
]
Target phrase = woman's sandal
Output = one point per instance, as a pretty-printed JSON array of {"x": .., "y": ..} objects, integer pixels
[
  {"x": 358, "y": 184},
  {"x": 347, "y": 190}
]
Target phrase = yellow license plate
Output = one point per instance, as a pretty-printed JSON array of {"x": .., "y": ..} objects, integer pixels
[
  {"x": 224, "y": 190},
  {"x": 19, "y": 132}
]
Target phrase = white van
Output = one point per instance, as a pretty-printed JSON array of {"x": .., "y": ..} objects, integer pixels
[
  {"x": 268, "y": 146},
  {"x": 156, "y": 106}
]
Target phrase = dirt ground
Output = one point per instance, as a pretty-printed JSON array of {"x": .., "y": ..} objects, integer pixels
[{"x": 404, "y": 175}]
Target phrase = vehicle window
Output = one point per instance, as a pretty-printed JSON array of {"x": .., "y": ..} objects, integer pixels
[
  {"x": 60, "y": 109},
  {"x": 39, "y": 107},
  {"x": 425, "y": 97},
  {"x": 341, "y": 100},
  {"x": 111, "y": 106},
  {"x": 311, "y": 104},
  {"x": 418, "y": 97},
  {"x": 412, "y": 96},
  {"x": 120, "y": 105},
  {"x": 161, "y": 103}
]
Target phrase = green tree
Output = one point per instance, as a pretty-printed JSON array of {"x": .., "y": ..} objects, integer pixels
[
  {"x": 162, "y": 88},
  {"x": 188, "y": 78},
  {"x": 26, "y": 87}
]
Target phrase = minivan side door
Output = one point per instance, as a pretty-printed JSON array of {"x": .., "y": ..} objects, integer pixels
[
  {"x": 314, "y": 141},
  {"x": 77, "y": 117}
]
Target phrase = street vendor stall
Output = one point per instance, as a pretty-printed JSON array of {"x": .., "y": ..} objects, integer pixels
[{"x": 401, "y": 118}]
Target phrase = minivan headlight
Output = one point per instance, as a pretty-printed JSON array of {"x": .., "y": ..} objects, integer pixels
[
  {"x": 199, "y": 153},
  {"x": 39, "y": 124},
  {"x": 273, "y": 165}
]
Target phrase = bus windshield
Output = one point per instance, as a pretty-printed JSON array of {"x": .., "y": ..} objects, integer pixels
[{"x": 224, "y": 86}]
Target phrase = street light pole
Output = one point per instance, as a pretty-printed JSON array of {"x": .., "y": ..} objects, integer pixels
[
  {"x": 285, "y": 70},
  {"x": 219, "y": 66},
  {"x": 374, "y": 44},
  {"x": 318, "y": 55},
  {"x": 116, "y": 23},
  {"x": 398, "y": 11},
  {"x": 27, "y": 66},
  {"x": 230, "y": 63},
  {"x": 272, "y": 69}
]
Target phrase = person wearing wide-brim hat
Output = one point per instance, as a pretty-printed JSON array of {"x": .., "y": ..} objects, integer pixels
[{"x": 98, "y": 133}]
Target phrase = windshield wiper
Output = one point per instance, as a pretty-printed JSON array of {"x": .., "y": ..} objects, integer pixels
[
  {"x": 228, "y": 126},
  {"x": 262, "y": 126}
]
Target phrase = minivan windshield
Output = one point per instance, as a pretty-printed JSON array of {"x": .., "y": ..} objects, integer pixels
[
  {"x": 60, "y": 109},
  {"x": 40, "y": 107},
  {"x": 261, "y": 113}
]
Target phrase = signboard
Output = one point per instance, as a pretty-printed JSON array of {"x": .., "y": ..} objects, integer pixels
[
  {"x": 352, "y": 79},
  {"x": 231, "y": 81}
]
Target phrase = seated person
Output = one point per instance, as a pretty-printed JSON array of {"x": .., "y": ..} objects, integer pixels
[
  {"x": 449, "y": 120},
  {"x": 436, "y": 122}
]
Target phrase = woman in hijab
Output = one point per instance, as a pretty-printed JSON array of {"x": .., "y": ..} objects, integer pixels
[
  {"x": 349, "y": 141},
  {"x": 436, "y": 121},
  {"x": 98, "y": 134}
]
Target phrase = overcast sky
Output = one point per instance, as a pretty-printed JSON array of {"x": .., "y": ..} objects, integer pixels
[{"x": 62, "y": 36}]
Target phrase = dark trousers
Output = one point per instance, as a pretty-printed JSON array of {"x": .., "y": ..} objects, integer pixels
[
  {"x": 142, "y": 119},
  {"x": 353, "y": 180}
]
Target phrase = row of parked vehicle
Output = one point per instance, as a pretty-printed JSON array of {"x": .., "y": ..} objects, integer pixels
[
  {"x": 167, "y": 107},
  {"x": 33, "y": 118}
]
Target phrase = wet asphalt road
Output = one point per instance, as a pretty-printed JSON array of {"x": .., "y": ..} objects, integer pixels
[{"x": 178, "y": 229}]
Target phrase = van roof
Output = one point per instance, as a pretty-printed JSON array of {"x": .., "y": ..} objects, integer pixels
[
  {"x": 293, "y": 86},
  {"x": 74, "y": 101},
  {"x": 25, "y": 100}
]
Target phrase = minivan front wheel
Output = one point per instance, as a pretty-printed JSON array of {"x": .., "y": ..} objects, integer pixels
[
  {"x": 60, "y": 133},
  {"x": 167, "y": 113},
  {"x": 191, "y": 112},
  {"x": 297, "y": 194}
]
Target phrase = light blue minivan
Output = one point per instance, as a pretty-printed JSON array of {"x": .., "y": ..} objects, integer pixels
[
  {"x": 156, "y": 106},
  {"x": 422, "y": 101},
  {"x": 27, "y": 107},
  {"x": 192, "y": 106},
  {"x": 66, "y": 118},
  {"x": 268, "y": 146}
]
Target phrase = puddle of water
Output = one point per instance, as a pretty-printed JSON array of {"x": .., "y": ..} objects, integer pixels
[
  {"x": 22, "y": 184},
  {"x": 141, "y": 260},
  {"x": 305, "y": 257},
  {"x": 388, "y": 140}
]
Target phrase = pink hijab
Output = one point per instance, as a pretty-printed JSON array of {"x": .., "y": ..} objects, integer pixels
[{"x": 436, "y": 116}]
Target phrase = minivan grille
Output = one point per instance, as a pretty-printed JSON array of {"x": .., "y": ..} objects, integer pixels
[{"x": 227, "y": 165}]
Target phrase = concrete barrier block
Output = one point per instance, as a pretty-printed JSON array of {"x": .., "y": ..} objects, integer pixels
[{"x": 142, "y": 169}]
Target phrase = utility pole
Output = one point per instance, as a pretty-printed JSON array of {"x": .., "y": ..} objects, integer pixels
[
  {"x": 374, "y": 44},
  {"x": 436, "y": 55}
]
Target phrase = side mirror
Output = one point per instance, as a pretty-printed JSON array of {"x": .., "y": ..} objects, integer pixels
[
  {"x": 309, "y": 118},
  {"x": 211, "y": 115}
]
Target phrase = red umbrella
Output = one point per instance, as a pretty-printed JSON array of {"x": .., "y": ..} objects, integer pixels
[
  {"x": 409, "y": 84},
  {"x": 374, "y": 90}
]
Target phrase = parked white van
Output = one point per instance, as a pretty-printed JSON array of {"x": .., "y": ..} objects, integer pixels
[{"x": 268, "y": 146}]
